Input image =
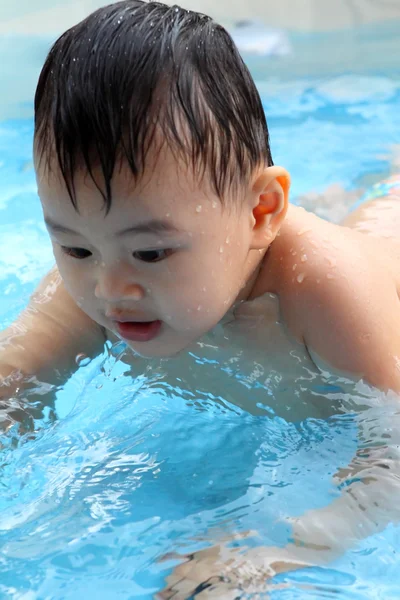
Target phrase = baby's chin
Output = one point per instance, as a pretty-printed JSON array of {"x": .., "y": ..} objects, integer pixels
[
  {"x": 147, "y": 354},
  {"x": 154, "y": 350}
]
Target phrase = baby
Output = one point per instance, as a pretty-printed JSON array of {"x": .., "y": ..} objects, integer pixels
[{"x": 166, "y": 211}]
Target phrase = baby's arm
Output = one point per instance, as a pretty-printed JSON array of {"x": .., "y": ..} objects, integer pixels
[
  {"x": 42, "y": 344},
  {"x": 369, "y": 501},
  {"x": 347, "y": 312}
]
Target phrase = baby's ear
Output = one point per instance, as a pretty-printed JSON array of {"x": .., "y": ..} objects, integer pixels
[{"x": 270, "y": 197}]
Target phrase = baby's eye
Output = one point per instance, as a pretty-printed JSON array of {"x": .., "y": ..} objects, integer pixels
[
  {"x": 151, "y": 256},
  {"x": 78, "y": 253}
]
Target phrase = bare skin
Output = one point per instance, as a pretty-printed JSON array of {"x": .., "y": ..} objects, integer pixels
[{"x": 344, "y": 277}]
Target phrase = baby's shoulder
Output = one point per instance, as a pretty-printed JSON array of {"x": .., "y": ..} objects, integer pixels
[
  {"x": 338, "y": 295},
  {"x": 328, "y": 254},
  {"x": 311, "y": 254}
]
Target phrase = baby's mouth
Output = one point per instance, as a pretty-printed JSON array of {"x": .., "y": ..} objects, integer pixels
[{"x": 136, "y": 331}]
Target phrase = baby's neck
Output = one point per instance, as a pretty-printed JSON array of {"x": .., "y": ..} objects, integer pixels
[
  {"x": 268, "y": 275},
  {"x": 253, "y": 268}
]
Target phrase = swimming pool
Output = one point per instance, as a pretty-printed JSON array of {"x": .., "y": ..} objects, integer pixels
[{"x": 124, "y": 467}]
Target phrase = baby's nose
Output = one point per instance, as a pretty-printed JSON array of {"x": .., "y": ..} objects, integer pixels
[{"x": 113, "y": 287}]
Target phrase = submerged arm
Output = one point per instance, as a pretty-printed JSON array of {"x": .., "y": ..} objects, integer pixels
[
  {"x": 369, "y": 500},
  {"x": 370, "y": 490},
  {"x": 41, "y": 346},
  {"x": 350, "y": 320}
]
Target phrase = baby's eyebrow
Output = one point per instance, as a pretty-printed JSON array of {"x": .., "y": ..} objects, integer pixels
[{"x": 152, "y": 226}]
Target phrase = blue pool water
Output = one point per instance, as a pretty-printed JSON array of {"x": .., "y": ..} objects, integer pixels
[{"x": 124, "y": 467}]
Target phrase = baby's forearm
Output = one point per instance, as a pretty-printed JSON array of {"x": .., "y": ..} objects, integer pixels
[
  {"x": 364, "y": 508},
  {"x": 22, "y": 399}
]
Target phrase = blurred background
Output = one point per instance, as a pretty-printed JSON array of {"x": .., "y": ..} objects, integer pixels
[
  {"x": 340, "y": 40},
  {"x": 316, "y": 15}
]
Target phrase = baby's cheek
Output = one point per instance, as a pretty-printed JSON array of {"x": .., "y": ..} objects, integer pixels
[
  {"x": 185, "y": 310},
  {"x": 207, "y": 307},
  {"x": 76, "y": 282}
]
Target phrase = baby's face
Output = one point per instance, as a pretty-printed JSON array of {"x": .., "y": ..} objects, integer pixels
[{"x": 166, "y": 263}]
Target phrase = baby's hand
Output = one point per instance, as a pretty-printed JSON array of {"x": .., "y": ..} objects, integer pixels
[{"x": 223, "y": 573}]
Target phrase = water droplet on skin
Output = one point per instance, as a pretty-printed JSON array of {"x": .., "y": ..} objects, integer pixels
[
  {"x": 221, "y": 249},
  {"x": 294, "y": 267},
  {"x": 331, "y": 261},
  {"x": 318, "y": 281},
  {"x": 167, "y": 215},
  {"x": 82, "y": 360},
  {"x": 198, "y": 208},
  {"x": 314, "y": 243},
  {"x": 214, "y": 204},
  {"x": 227, "y": 241},
  {"x": 303, "y": 258},
  {"x": 148, "y": 291},
  {"x": 300, "y": 277},
  {"x": 303, "y": 231},
  {"x": 204, "y": 289},
  {"x": 199, "y": 307}
]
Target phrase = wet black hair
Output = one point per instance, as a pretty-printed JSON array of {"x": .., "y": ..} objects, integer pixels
[{"x": 133, "y": 68}]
